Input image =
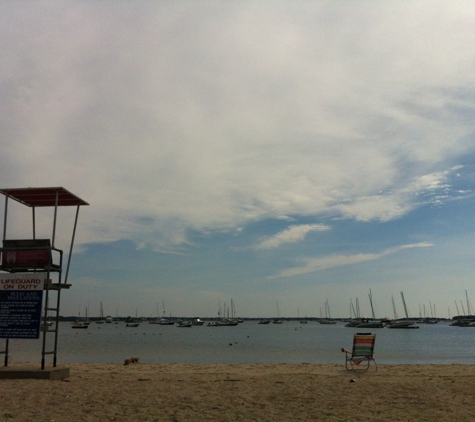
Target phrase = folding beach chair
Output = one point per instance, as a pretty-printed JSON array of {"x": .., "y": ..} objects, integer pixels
[{"x": 363, "y": 349}]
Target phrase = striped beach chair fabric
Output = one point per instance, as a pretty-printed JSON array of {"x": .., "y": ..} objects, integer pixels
[{"x": 362, "y": 352}]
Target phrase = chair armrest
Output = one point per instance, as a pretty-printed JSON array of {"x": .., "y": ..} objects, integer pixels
[{"x": 345, "y": 350}]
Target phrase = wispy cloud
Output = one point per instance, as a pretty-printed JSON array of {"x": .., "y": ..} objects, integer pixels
[
  {"x": 402, "y": 197},
  {"x": 293, "y": 234},
  {"x": 331, "y": 261}
]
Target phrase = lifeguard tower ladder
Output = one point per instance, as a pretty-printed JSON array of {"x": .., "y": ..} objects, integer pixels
[{"x": 41, "y": 256}]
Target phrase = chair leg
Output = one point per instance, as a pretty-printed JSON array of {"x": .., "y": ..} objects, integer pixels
[{"x": 362, "y": 365}]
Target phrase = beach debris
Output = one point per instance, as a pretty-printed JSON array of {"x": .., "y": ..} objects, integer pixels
[
  {"x": 352, "y": 380},
  {"x": 131, "y": 360}
]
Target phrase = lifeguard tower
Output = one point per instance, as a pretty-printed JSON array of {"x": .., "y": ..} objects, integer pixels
[{"x": 23, "y": 260}]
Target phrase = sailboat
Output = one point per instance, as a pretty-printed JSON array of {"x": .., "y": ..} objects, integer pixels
[
  {"x": 133, "y": 322},
  {"x": 164, "y": 320},
  {"x": 226, "y": 321},
  {"x": 374, "y": 323},
  {"x": 355, "y": 318},
  {"x": 402, "y": 323},
  {"x": 302, "y": 321},
  {"x": 157, "y": 319},
  {"x": 328, "y": 319},
  {"x": 101, "y": 319},
  {"x": 80, "y": 323},
  {"x": 278, "y": 320}
]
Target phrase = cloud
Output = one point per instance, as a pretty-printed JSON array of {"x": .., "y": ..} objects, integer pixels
[
  {"x": 171, "y": 117},
  {"x": 431, "y": 188},
  {"x": 293, "y": 234},
  {"x": 332, "y": 261}
]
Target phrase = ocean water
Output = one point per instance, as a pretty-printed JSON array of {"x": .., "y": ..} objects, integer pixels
[{"x": 249, "y": 342}]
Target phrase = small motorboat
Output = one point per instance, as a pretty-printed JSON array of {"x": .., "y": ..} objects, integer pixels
[{"x": 197, "y": 322}]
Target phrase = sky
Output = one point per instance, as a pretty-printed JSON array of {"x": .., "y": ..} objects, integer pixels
[{"x": 277, "y": 153}]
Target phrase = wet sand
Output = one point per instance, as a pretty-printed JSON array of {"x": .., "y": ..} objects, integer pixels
[{"x": 243, "y": 392}]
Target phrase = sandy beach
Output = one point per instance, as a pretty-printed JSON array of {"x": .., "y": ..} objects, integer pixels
[{"x": 243, "y": 392}]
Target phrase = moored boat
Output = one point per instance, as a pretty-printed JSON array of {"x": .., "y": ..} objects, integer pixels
[
  {"x": 79, "y": 324},
  {"x": 371, "y": 324},
  {"x": 223, "y": 322},
  {"x": 401, "y": 323},
  {"x": 353, "y": 322},
  {"x": 328, "y": 319},
  {"x": 166, "y": 321}
]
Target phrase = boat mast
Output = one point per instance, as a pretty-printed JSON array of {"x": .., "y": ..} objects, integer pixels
[
  {"x": 371, "y": 303},
  {"x": 352, "y": 308},
  {"x": 404, "y": 303},
  {"x": 468, "y": 303},
  {"x": 394, "y": 308}
]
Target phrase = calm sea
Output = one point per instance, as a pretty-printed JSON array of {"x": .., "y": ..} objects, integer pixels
[{"x": 249, "y": 342}]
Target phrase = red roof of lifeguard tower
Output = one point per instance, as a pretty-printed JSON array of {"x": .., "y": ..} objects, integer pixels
[{"x": 43, "y": 197}]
